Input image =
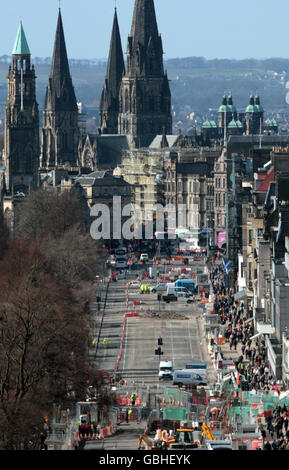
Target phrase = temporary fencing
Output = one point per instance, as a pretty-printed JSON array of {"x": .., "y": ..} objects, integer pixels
[{"x": 126, "y": 315}]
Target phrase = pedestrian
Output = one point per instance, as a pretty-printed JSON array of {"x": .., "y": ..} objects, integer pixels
[
  {"x": 267, "y": 446},
  {"x": 133, "y": 399},
  {"x": 285, "y": 423}
]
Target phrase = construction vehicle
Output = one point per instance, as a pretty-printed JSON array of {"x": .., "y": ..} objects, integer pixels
[
  {"x": 146, "y": 443},
  {"x": 184, "y": 439}
]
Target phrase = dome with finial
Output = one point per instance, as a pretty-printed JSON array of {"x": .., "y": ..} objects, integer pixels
[
  {"x": 224, "y": 108},
  {"x": 258, "y": 104},
  {"x": 231, "y": 106}
]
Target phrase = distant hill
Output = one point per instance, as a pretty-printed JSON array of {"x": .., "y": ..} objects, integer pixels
[{"x": 197, "y": 84}]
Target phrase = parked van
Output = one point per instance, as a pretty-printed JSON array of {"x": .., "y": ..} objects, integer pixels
[
  {"x": 174, "y": 290},
  {"x": 197, "y": 368},
  {"x": 188, "y": 377},
  {"x": 188, "y": 283}
]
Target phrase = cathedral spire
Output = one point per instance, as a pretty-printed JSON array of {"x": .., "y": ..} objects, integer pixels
[
  {"x": 60, "y": 66},
  {"x": 60, "y": 113},
  {"x": 115, "y": 66},
  {"x": 144, "y": 23},
  {"x": 109, "y": 105},
  {"x": 144, "y": 49},
  {"x": 145, "y": 98}
]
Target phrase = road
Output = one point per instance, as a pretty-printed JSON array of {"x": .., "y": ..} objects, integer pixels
[{"x": 179, "y": 324}]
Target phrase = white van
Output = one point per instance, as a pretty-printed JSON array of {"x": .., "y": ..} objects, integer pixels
[
  {"x": 165, "y": 370},
  {"x": 144, "y": 257},
  {"x": 188, "y": 377}
]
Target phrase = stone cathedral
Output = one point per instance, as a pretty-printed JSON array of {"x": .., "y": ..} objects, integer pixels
[{"x": 135, "y": 108}]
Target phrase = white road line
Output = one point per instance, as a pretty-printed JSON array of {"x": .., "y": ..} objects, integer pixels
[
  {"x": 172, "y": 344},
  {"x": 190, "y": 338}
]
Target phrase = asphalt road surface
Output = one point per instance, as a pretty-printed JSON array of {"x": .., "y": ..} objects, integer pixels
[{"x": 178, "y": 323}]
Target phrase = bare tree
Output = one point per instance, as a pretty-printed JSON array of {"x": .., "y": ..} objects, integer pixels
[{"x": 43, "y": 349}]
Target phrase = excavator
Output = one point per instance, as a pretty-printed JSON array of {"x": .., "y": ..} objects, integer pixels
[{"x": 183, "y": 439}]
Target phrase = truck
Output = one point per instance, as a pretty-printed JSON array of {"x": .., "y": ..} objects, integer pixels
[{"x": 186, "y": 283}]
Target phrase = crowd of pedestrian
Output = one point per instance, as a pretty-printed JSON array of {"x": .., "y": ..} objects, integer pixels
[
  {"x": 276, "y": 432},
  {"x": 252, "y": 366},
  {"x": 238, "y": 330}
]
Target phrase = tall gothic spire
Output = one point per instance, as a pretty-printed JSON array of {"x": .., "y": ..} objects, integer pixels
[
  {"x": 145, "y": 98},
  {"x": 60, "y": 79},
  {"x": 60, "y": 114},
  {"x": 115, "y": 67},
  {"x": 109, "y": 105},
  {"x": 144, "y": 49}
]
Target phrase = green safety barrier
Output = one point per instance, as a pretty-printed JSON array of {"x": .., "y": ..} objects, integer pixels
[{"x": 175, "y": 413}]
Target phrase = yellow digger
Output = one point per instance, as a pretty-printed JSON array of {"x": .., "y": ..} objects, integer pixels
[{"x": 184, "y": 440}]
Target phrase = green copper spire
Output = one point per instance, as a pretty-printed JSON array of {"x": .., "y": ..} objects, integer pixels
[{"x": 21, "y": 46}]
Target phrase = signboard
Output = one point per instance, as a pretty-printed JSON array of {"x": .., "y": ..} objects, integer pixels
[{"x": 221, "y": 239}]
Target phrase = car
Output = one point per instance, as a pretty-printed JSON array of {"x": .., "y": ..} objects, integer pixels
[
  {"x": 121, "y": 264},
  {"x": 158, "y": 287},
  {"x": 144, "y": 257},
  {"x": 178, "y": 297}
]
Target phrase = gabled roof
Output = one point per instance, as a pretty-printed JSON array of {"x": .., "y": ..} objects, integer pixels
[
  {"x": 171, "y": 139},
  {"x": 264, "y": 186},
  {"x": 21, "y": 46}
]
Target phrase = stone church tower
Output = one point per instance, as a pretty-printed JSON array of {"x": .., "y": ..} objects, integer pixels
[
  {"x": 21, "y": 141},
  {"x": 60, "y": 133},
  {"x": 109, "y": 104},
  {"x": 145, "y": 98}
]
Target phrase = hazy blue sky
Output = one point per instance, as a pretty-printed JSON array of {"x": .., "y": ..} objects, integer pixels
[{"x": 209, "y": 28}]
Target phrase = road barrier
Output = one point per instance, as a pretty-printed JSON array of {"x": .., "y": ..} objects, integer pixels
[{"x": 126, "y": 315}]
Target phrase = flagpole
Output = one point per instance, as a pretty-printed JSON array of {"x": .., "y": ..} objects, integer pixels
[{"x": 21, "y": 73}]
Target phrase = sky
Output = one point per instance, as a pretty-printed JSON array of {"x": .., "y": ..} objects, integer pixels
[{"x": 208, "y": 28}]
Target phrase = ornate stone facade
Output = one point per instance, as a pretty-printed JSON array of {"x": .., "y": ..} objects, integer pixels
[{"x": 21, "y": 142}]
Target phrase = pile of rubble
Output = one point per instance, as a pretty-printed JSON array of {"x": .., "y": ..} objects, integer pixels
[{"x": 165, "y": 315}]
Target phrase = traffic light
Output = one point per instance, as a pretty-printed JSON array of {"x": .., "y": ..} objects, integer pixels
[
  {"x": 159, "y": 297},
  {"x": 158, "y": 352},
  {"x": 160, "y": 341}
]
